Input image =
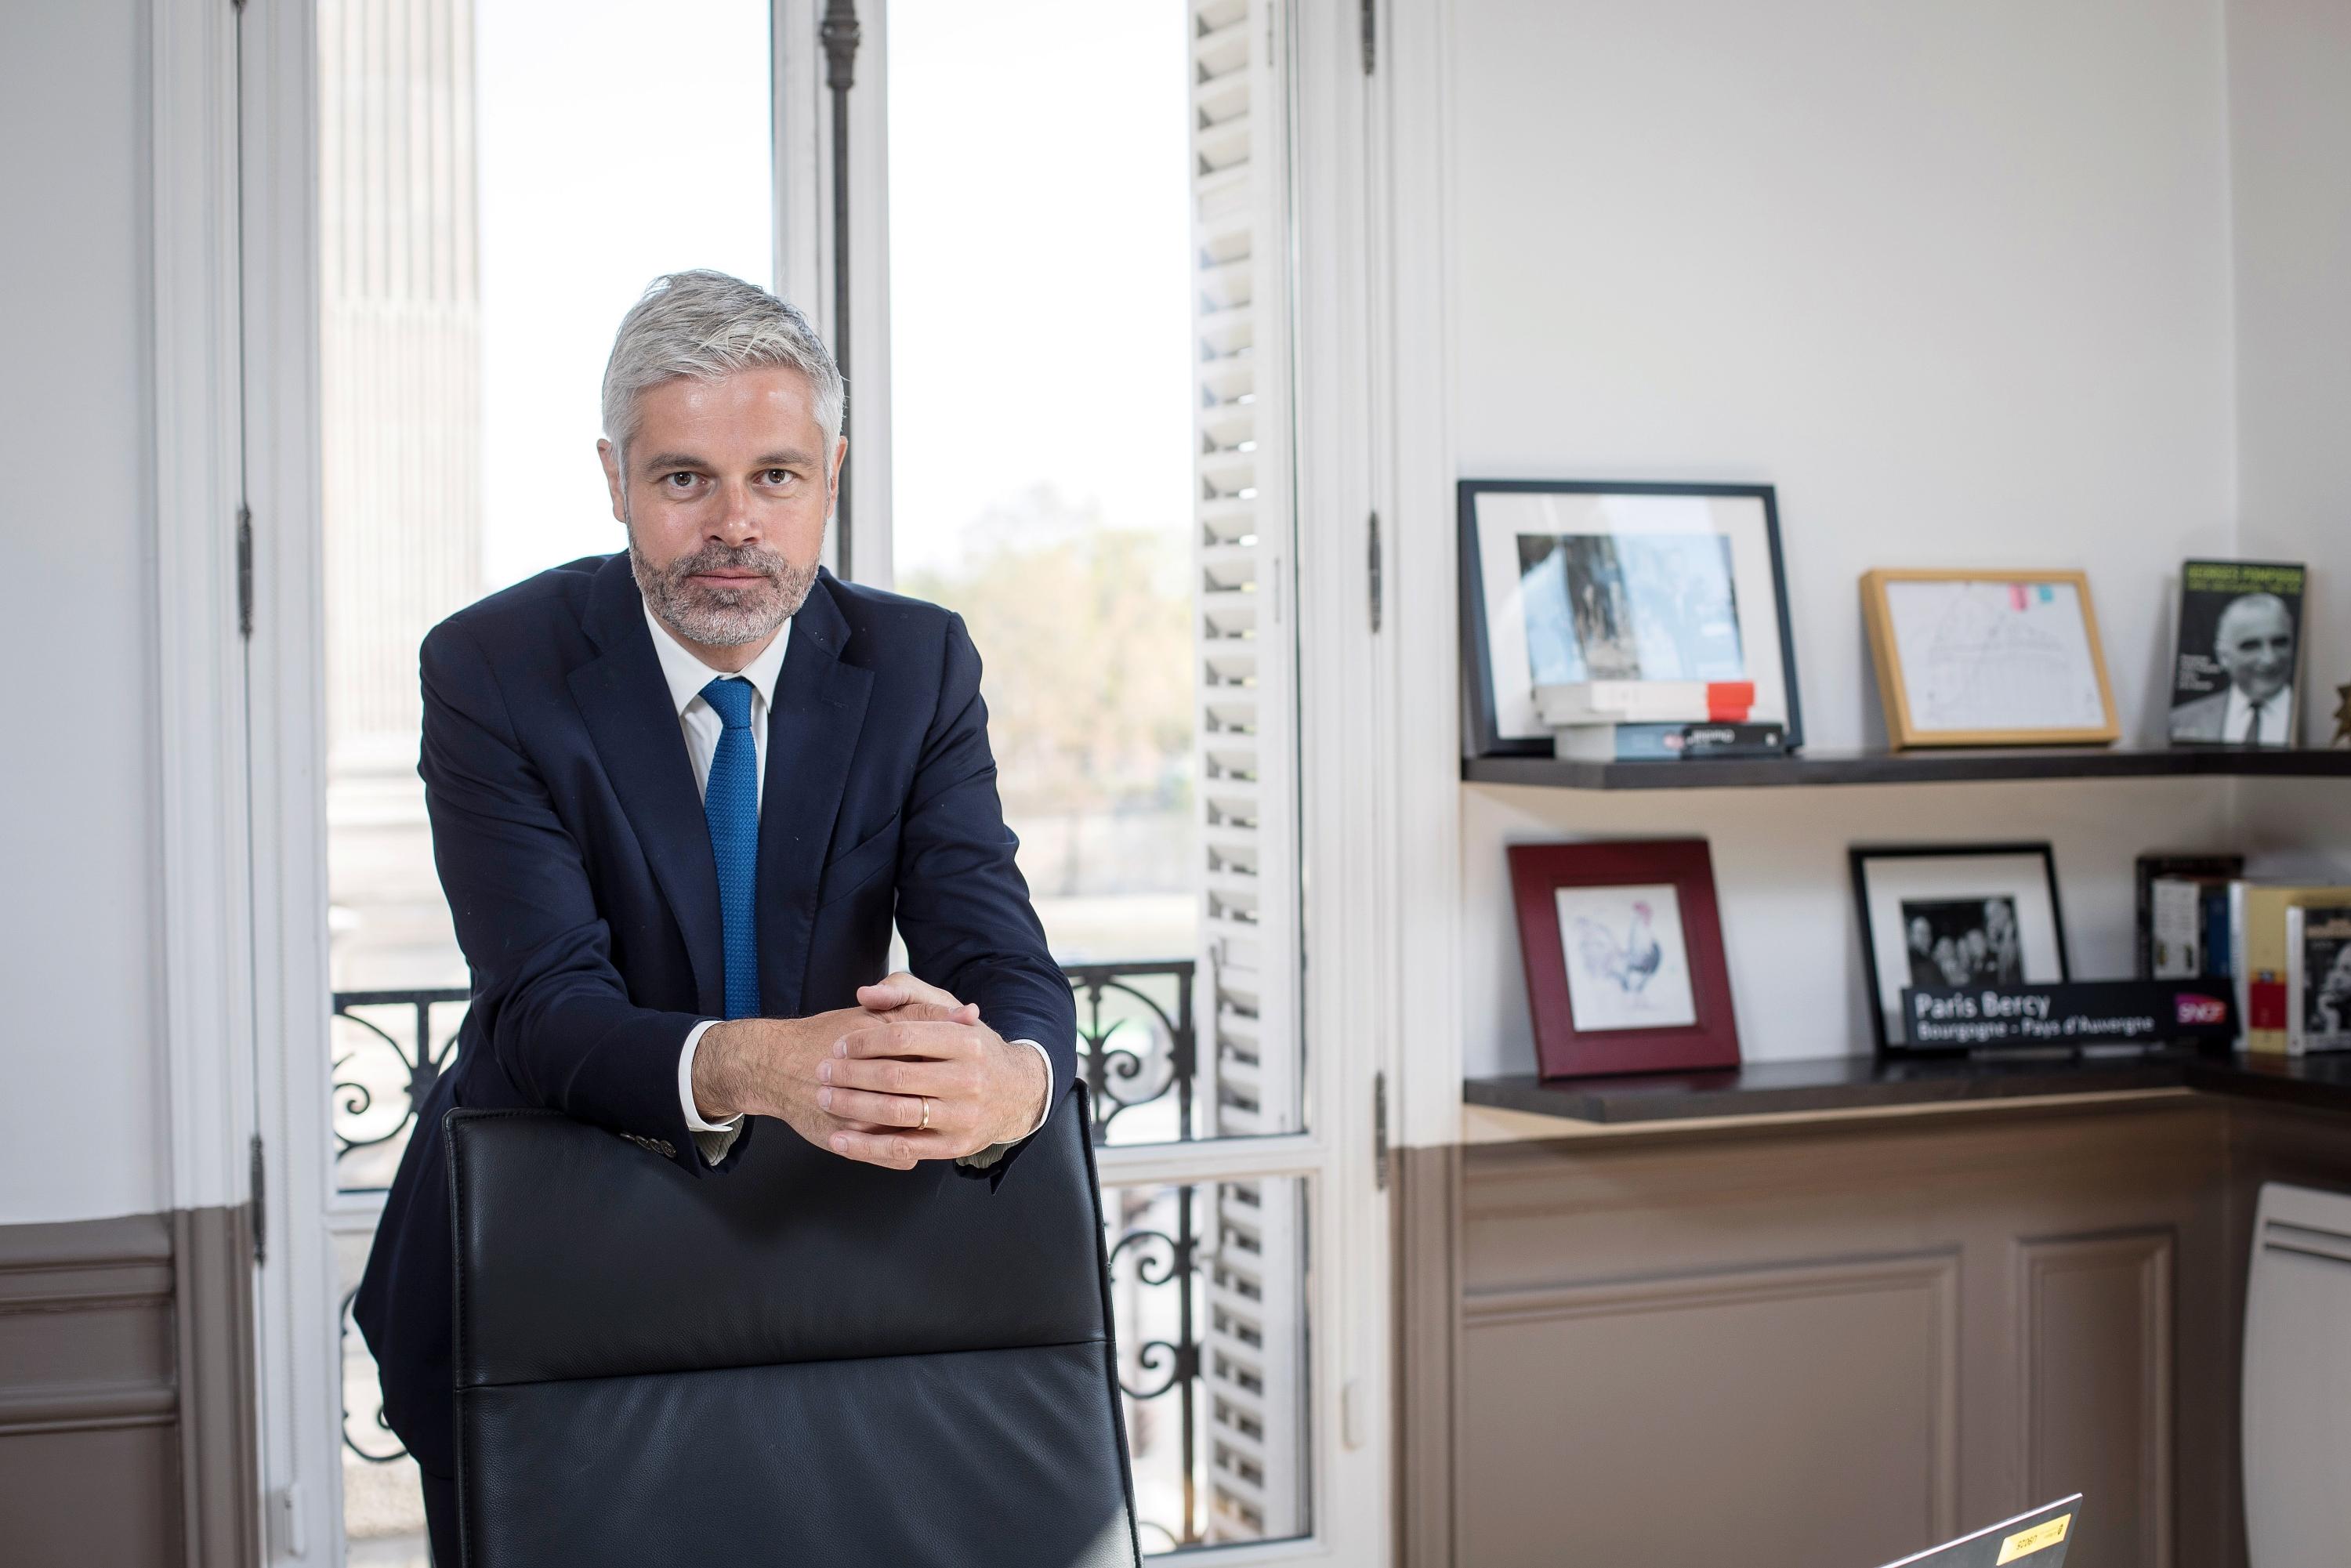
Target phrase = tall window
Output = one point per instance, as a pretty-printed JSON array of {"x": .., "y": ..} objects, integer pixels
[
  {"x": 499, "y": 180},
  {"x": 1089, "y": 428},
  {"x": 1089, "y": 443}
]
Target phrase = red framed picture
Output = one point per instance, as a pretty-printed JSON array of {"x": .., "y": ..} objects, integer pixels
[{"x": 1623, "y": 946}]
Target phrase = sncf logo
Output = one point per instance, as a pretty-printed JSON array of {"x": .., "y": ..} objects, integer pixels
[{"x": 2194, "y": 1009}]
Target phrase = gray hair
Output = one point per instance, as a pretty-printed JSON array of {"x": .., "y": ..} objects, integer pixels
[{"x": 705, "y": 324}]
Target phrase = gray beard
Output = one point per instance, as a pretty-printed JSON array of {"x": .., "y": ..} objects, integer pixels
[{"x": 722, "y": 617}]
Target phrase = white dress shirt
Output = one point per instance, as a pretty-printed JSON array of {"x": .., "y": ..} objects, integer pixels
[
  {"x": 701, "y": 726},
  {"x": 2275, "y": 713}
]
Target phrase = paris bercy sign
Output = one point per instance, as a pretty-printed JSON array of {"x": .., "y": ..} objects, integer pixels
[{"x": 2085, "y": 1012}]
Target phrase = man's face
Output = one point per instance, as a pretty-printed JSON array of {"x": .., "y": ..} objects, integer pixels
[
  {"x": 725, "y": 494},
  {"x": 2255, "y": 646}
]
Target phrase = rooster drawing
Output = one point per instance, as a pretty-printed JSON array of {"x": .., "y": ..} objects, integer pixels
[{"x": 1632, "y": 963}]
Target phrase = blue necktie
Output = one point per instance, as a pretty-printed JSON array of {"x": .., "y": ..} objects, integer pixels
[{"x": 731, "y": 803}]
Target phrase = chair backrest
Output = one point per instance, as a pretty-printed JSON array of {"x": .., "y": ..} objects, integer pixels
[{"x": 800, "y": 1361}]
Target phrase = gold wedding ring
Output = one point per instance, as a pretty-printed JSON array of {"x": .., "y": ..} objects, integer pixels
[{"x": 926, "y": 1113}]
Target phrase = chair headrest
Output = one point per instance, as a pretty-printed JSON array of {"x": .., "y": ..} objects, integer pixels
[{"x": 588, "y": 1257}]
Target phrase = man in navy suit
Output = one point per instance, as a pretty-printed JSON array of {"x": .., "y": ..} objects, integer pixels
[{"x": 678, "y": 796}]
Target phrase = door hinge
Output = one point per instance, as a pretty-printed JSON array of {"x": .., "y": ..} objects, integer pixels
[
  {"x": 1371, "y": 35},
  {"x": 245, "y": 572},
  {"x": 1372, "y": 561},
  {"x": 260, "y": 1207},
  {"x": 1380, "y": 1131}
]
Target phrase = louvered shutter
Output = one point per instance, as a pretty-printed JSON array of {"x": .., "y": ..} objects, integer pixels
[{"x": 1252, "y": 1347}]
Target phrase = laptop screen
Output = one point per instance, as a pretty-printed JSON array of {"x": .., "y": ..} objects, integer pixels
[{"x": 2034, "y": 1540}]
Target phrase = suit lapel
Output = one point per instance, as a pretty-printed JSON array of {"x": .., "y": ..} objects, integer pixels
[
  {"x": 627, "y": 705},
  {"x": 812, "y": 730}
]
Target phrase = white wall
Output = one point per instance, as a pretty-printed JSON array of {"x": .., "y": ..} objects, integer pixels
[
  {"x": 80, "y": 1094},
  {"x": 2290, "y": 142},
  {"x": 1954, "y": 276}
]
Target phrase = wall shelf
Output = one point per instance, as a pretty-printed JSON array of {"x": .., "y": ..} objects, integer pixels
[
  {"x": 1864, "y": 1083},
  {"x": 1908, "y": 767}
]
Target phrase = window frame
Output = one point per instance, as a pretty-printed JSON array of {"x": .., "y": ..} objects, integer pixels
[
  {"x": 252, "y": 72},
  {"x": 1337, "y": 668}
]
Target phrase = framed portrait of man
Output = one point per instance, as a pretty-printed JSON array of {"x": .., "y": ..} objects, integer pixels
[{"x": 2235, "y": 678}]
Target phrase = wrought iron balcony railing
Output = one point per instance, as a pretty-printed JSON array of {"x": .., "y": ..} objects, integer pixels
[{"x": 1138, "y": 1049}]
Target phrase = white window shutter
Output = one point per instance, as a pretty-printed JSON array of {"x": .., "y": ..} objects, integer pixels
[{"x": 1252, "y": 1346}]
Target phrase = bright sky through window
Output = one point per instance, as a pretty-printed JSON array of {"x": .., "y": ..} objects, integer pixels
[
  {"x": 1039, "y": 243},
  {"x": 618, "y": 140}
]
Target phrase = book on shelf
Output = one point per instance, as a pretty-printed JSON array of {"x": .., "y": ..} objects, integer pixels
[
  {"x": 2317, "y": 978},
  {"x": 1645, "y": 702},
  {"x": 2183, "y": 915},
  {"x": 1665, "y": 742},
  {"x": 2258, "y": 944}
]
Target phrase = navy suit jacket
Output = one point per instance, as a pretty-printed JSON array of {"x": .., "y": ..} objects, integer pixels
[{"x": 572, "y": 847}]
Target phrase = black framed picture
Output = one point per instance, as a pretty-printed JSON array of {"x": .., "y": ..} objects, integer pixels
[
  {"x": 1954, "y": 915},
  {"x": 1573, "y": 580}
]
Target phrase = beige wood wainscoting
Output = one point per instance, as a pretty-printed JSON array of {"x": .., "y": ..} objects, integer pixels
[
  {"x": 126, "y": 1379},
  {"x": 1833, "y": 1342}
]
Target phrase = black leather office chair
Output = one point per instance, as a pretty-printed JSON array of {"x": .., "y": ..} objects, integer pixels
[{"x": 803, "y": 1361}]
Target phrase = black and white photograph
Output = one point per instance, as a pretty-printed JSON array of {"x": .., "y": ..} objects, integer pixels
[
  {"x": 1954, "y": 915},
  {"x": 1564, "y": 583},
  {"x": 1627, "y": 960},
  {"x": 1963, "y": 941},
  {"x": 2233, "y": 679},
  {"x": 2320, "y": 982}
]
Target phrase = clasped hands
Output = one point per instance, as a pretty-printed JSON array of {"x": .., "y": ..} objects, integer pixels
[{"x": 909, "y": 1073}]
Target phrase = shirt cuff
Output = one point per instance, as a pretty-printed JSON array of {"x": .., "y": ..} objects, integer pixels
[
  {"x": 983, "y": 1158},
  {"x": 713, "y": 1138},
  {"x": 1048, "y": 1060}
]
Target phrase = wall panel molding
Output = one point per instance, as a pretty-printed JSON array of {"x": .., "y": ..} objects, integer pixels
[
  {"x": 1595, "y": 1404},
  {"x": 1903, "y": 1301},
  {"x": 2095, "y": 1343},
  {"x": 85, "y": 1327},
  {"x": 126, "y": 1391}
]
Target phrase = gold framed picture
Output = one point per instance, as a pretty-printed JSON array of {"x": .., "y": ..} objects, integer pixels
[{"x": 1988, "y": 658}]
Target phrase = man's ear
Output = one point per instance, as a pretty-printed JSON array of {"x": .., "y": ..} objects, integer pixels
[
  {"x": 832, "y": 479},
  {"x": 610, "y": 455}
]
